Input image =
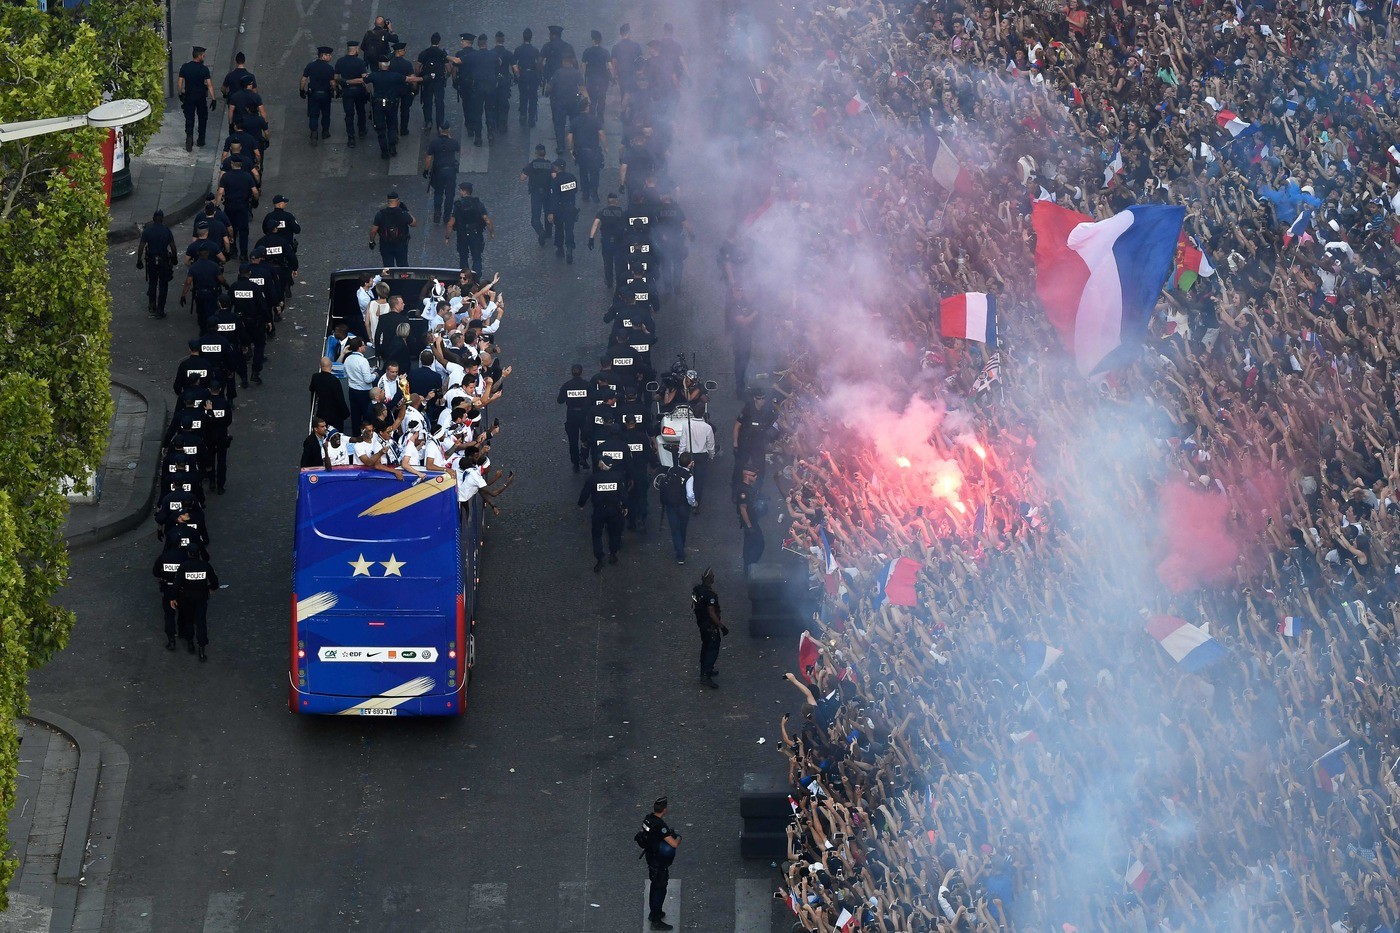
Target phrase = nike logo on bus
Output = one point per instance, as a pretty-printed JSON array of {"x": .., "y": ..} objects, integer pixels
[{"x": 371, "y": 654}]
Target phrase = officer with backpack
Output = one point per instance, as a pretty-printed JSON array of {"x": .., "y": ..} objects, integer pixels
[
  {"x": 440, "y": 169},
  {"x": 677, "y": 490},
  {"x": 391, "y": 227},
  {"x": 607, "y": 487},
  {"x": 658, "y": 843},
  {"x": 705, "y": 602},
  {"x": 473, "y": 224}
]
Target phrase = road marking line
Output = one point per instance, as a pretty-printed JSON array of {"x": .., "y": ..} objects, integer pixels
[
  {"x": 753, "y": 905},
  {"x": 222, "y": 912},
  {"x": 672, "y": 906},
  {"x": 573, "y": 907},
  {"x": 486, "y": 908}
]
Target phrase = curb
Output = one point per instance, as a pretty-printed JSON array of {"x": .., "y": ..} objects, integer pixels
[
  {"x": 89, "y": 743},
  {"x": 147, "y": 464},
  {"x": 186, "y": 209}
]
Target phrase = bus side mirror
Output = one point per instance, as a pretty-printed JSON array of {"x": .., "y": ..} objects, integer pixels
[{"x": 653, "y": 386}]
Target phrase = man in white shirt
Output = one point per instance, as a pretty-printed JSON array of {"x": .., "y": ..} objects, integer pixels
[
  {"x": 697, "y": 438},
  {"x": 389, "y": 382},
  {"x": 361, "y": 379}
]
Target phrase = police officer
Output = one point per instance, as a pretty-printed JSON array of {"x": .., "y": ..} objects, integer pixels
[
  {"x": 626, "y": 59},
  {"x": 483, "y": 99},
  {"x": 350, "y": 71},
  {"x": 610, "y": 224},
  {"x": 195, "y": 87},
  {"x": 587, "y": 143},
  {"x": 638, "y": 463},
  {"x": 282, "y": 222},
  {"x": 234, "y": 79},
  {"x": 156, "y": 253},
  {"x": 573, "y": 395},
  {"x": 751, "y": 435},
  {"x": 705, "y": 601},
  {"x": 505, "y": 68},
  {"x": 269, "y": 278},
  {"x": 318, "y": 80},
  {"x": 255, "y": 317},
  {"x": 565, "y": 97},
  {"x": 473, "y": 224},
  {"x": 196, "y": 582},
  {"x": 676, "y": 488},
  {"x": 607, "y": 488},
  {"x": 386, "y": 90},
  {"x": 746, "y": 503},
  {"x": 462, "y": 77},
  {"x": 440, "y": 167},
  {"x": 597, "y": 73},
  {"x": 229, "y": 326},
  {"x": 527, "y": 77},
  {"x": 391, "y": 227},
  {"x": 661, "y": 842},
  {"x": 400, "y": 64},
  {"x": 432, "y": 68},
  {"x": 205, "y": 278},
  {"x": 552, "y": 54},
  {"x": 538, "y": 174},
  {"x": 671, "y": 236},
  {"x": 563, "y": 209},
  {"x": 237, "y": 192},
  {"x": 218, "y": 420},
  {"x": 167, "y": 574}
]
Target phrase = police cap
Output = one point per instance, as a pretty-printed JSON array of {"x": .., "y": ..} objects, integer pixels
[
  {"x": 353, "y": 44},
  {"x": 199, "y": 50},
  {"x": 194, "y": 343},
  {"x": 560, "y": 163},
  {"x": 659, "y": 804},
  {"x": 280, "y": 199},
  {"x": 247, "y": 81},
  {"x": 392, "y": 196},
  {"x": 467, "y": 37},
  {"x": 500, "y": 35},
  {"x": 400, "y": 46},
  {"x": 324, "y": 50},
  {"x": 556, "y": 30}
]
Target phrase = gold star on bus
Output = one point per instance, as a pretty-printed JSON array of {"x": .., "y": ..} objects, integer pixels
[
  {"x": 391, "y": 567},
  {"x": 361, "y": 566}
]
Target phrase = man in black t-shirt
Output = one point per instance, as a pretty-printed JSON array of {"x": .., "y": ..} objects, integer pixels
[
  {"x": 705, "y": 602},
  {"x": 194, "y": 87},
  {"x": 472, "y": 223},
  {"x": 662, "y": 842},
  {"x": 391, "y": 228}
]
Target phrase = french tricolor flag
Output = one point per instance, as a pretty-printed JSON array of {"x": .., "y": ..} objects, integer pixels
[
  {"x": 1025, "y": 738},
  {"x": 1099, "y": 280},
  {"x": 846, "y": 920},
  {"x": 1039, "y": 657},
  {"x": 1234, "y": 125},
  {"x": 856, "y": 105},
  {"x": 1114, "y": 166},
  {"x": 1137, "y": 876},
  {"x": 1189, "y": 646},
  {"x": 808, "y": 652},
  {"x": 1289, "y": 627},
  {"x": 969, "y": 316},
  {"x": 944, "y": 166},
  {"x": 1332, "y": 767},
  {"x": 897, "y": 582}
]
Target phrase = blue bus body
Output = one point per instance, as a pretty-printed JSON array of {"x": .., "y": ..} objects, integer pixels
[{"x": 384, "y": 595}]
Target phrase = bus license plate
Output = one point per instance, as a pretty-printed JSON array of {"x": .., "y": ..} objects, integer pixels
[{"x": 374, "y": 711}]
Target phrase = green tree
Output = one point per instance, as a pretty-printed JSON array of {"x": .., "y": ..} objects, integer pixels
[{"x": 55, "y": 404}]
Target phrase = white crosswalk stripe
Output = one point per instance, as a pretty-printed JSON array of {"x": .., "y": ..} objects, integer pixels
[
  {"x": 486, "y": 909},
  {"x": 223, "y": 912},
  {"x": 672, "y": 907}
]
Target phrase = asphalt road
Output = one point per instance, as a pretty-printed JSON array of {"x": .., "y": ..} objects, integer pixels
[{"x": 584, "y": 706}]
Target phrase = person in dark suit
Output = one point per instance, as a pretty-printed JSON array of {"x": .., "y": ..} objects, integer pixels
[
  {"x": 313, "y": 452},
  {"x": 328, "y": 397}
]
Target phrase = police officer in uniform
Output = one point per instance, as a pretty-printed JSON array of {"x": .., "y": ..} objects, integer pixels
[
  {"x": 610, "y": 224},
  {"x": 661, "y": 844},
  {"x": 196, "y": 583},
  {"x": 317, "y": 89},
  {"x": 283, "y": 223},
  {"x": 473, "y": 224},
  {"x": 587, "y": 143},
  {"x": 705, "y": 601},
  {"x": 746, "y": 503},
  {"x": 538, "y": 174},
  {"x": 386, "y": 90},
  {"x": 565, "y": 96},
  {"x": 195, "y": 87},
  {"x": 573, "y": 395},
  {"x": 237, "y": 192},
  {"x": 391, "y": 227},
  {"x": 640, "y": 459},
  {"x": 167, "y": 573},
  {"x": 432, "y": 68},
  {"x": 440, "y": 167},
  {"x": 607, "y": 487},
  {"x": 483, "y": 99},
  {"x": 251, "y": 305},
  {"x": 350, "y": 74},
  {"x": 563, "y": 209},
  {"x": 400, "y": 64},
  {"x": 229, "y": 326},
  {"x": 218, "y": 420},
  {"x": 376, "y": 43},
  {"x": 156, "y": 253},
  {"x": 597, "y": 73},
  {"x": 527, "y": 77},
  {"x": 205, "y": 278},
  {"x": 552, "y": 54},
  {"x": 505, "y": 68},
  {"x": 462, "y": 78}
]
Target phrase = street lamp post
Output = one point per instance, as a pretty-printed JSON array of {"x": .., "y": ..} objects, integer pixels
[{"x": 106, "y": 116}]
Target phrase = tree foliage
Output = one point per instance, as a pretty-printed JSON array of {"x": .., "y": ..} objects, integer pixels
[{"x": 55, "y": 404}]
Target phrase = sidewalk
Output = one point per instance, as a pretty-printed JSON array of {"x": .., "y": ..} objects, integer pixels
[
  {"x": 63, "y": 826},
  {"x": 165, "y": 176},
  {"x": 126, "y": 478}
]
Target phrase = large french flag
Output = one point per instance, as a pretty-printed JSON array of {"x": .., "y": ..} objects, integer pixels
[
  {"x": 1100, "y": 279},
  {"x": 1189, "y": 646},
  {"x": 897, "y": 582},
  {"x": 970, "y": 316}
]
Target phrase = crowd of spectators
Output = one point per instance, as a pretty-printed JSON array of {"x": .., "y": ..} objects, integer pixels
[{"x": 953, "y": 769}]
